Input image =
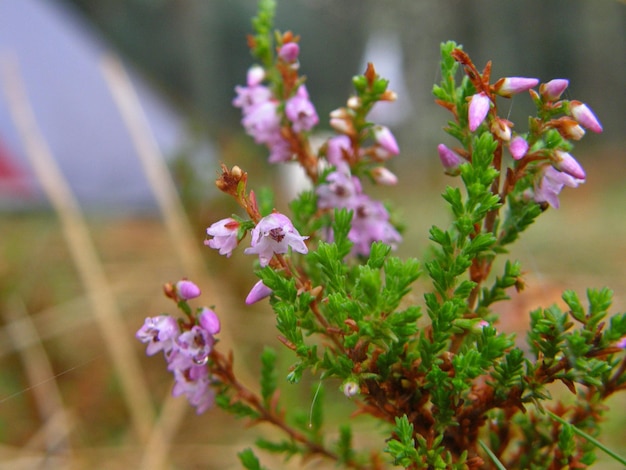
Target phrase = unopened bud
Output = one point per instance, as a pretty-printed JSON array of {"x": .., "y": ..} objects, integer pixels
[
  {"x": 553, "y": 89},
  {"x": 501, "y": 128},
  {"x": 187, "y": 290},
  {"x": 478, "y": 109},
  {"x": 585, "y": 117},
  {"x": 350, "y": 388},
  {"x": 258, "y": 292},
  {"x": 568, "y": 164},
  {"x": 383, "y": 176},
  {"x": 518, "y": 147},
  {"x": 209, "y": 321},
  {"x": 449, "y": 159},
  {"x": 510, "y": 86}
]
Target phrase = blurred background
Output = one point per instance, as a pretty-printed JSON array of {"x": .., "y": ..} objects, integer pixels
[{"x": 114, "y": 117}]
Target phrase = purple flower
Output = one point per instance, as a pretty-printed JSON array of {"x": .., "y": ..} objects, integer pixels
[
  {"x": 159, "y": 332},
  {"x": 338, "y": 191},
  {"x": 385, "y": 139},
  {"x": 194, "y": 382},
  {"x": 262, "y": 122},
  {"x": 449, "y": 159},
  {"x": 568, "y": 164},
  {"x": 518, "y": 147},
  {"x": 300, "y": 111},
  {"x": 225, "y": 236},
  {"x": 510, "y": 86},
  {"x": 478, "y": 109},
  {"x": 553, "y": 89},
  {"x": 196, "y": 344},
  {"x": 258, "y": 292},
  {"x": 209, "y": 320},
  {"x": 550, "y": 184},
  {"x": 274, "y": 234},
  {"x": 248, "y": 97},
  {"x": 621, "y": 343},
  {"x": 289, "y": 52},
  {"x": 187, "y": 290},
  {"x": 585, "y": 117},
  {"x": 338, "y": 151},
  {"x": 370, "y": 223},
  {"x": 255, "y": 75}
]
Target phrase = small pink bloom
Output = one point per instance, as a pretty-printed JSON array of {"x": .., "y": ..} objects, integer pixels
[
  {"x": 255, "y": 76},
  {"x": 585, "y": 116},
  {"x": 159, "y": 332},
  {"x": 383, "y": 176},
  {"x": 187, "y": 290},
  {"x": 338, "y": 152},
  {"x": 553, "y": 89},
  {"x": 274, "y": 234},
  {"x": 225, "y": 236},
  {"x": 300, "y": 111},
  {"x": 621, "y": 343},
  {"x": 568, "y": 164},
  {"x": 258, "y": 292},
  {"x": 289, "y": 52},
  {"x": 386, "y": 140},
  {"x": 195, "y": 344},
  {"x": 209, "y": 320},
  {"x": 449, "y": 159},
  {"x": 550, "y": 184},
  {"x": 518, "y": 147},
  {"x": 478, "y": 109},
  {"x": 510, "y": 86},
  {"x": 338, "y": 191}
]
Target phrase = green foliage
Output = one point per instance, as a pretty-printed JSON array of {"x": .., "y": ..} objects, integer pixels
[{"x": 249, "y": 460}]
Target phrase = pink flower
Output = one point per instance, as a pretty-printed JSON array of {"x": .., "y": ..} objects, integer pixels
[
  {"x": 194, "y": 382},
  {"x": 255, "y": 76},
  {"x": 350, "y": 388},
  {"x": 478, "y": 108},
  {"x": 553, "y": 89},
  {"x": 449, "y": 159},
  {"x": 289, "y": 52},
  {"x": 274, "y": 234},
  {"x": 385, "y": 139},
  {"x": 338, "y": 191},
  {"x": 510, "y": 86},
  {"x": 518, "y": 147},
  {"x": 584, "y": 116},
  {"x": 338, "y": 150},
  {"x": 187, "y": 290},
  {"x": 225, "y": 236},
  {"x": 196, "y": 344},
  {"x": 370, "y": 223},
  {"x": 258, "y": 292},
  {"x": 159, "y": 332},
  {"x": 300, "y": 111},
  {"x": 550, "y": 184},
  {"x": 568, "y": 164},
  {"x": 209, "y": 320},
  {"x": 621, "y": 343}
]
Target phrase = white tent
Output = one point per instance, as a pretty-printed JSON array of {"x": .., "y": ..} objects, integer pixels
[{"x": 59, "y": 59}]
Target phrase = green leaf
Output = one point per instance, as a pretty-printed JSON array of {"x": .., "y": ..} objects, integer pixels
[
  {"x": 249, "y": 460},
  {"x": 268, "y": 375}
]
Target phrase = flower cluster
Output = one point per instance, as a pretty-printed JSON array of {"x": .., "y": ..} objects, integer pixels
[
  {"x": 543, "y": 151},
  {"x": 185, "y": 345},
  {"x": 260, "y": 106}
]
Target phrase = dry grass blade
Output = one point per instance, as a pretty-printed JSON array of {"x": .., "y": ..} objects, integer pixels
[{"x": 82, "y": 250}]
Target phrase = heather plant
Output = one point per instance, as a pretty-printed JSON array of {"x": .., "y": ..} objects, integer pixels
[{"x": 446, "y": 387}]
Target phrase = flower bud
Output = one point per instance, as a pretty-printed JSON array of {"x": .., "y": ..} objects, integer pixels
[
  {"x": 350, "y": 388},
  {"x": 209, "y": 321},
  {"x": 386, "y": 140},
  {"x": 255, "y": 76},
  {"x": 568, "y": 164},
  {"x": 501, "y": 128},
  {"x": 518, "y": 147},
  {"x": 289, "y": 52},
  {"x": 621, "y": 343},
  {"x": 585, "y": 116},
  {"x": 449, "y": 159},
  {"x": 258, "y": 292},
  {"x": 187, "y": 290},
  {"x": 354, "y": 102},
  {"x": 478, "y": 108},
  {"x": 510, "y": 86},
  {"x": 383, "y": 176},
  {"x": 553, "y": 89}
]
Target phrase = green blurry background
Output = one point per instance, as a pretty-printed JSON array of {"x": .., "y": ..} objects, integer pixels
[{"x": 63, "y": 403}]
